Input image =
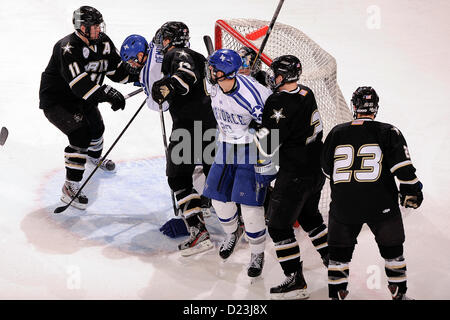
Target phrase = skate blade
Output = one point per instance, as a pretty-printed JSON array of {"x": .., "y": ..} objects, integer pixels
[
  {"x": 201, "y": 247},
  {"x": 293, "y": 295},
  {"x": 66, "y": 199}
]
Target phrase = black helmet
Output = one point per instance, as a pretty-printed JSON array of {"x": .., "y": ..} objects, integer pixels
[
  {"x": 365, "y": 101},
  {"x": 248, "y": 56},
  {"x": 177, "y": 32},
  {"x": 87, "y": 16},
  {"x": 288, "y": 66}
]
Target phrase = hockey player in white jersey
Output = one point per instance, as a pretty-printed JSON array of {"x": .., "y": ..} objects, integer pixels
[{"x": 237, "y": 100}]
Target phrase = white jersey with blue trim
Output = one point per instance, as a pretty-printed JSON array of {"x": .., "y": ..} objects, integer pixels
[
  {"x": 150, "y": 73},
  {"x": 234, "y": 111}
]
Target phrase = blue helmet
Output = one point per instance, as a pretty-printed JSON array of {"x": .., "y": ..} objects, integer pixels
[
  {"x": 129, "y": 50},
  {"x": 225, "y": 60}
]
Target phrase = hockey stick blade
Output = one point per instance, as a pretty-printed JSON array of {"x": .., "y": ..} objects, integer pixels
[
  {"x": 208, "y": 44},
  {"x": 62, "y": 208},
  {"x": 3, "y": 135}
]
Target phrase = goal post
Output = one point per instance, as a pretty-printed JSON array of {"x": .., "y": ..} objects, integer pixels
[{"x": 319, "y": 67}]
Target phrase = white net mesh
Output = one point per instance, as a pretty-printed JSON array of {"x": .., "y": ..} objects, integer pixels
[{"x": 319, "y": 69}]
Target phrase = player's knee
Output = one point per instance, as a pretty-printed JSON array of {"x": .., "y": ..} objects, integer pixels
[
  {"x": 81, "y": 137},
  {"x": 279, "y": 235},
  {"x": 391, "y": 252},
  {"x": 310, "y": 222},
  {"x": 342, "y": 254}
]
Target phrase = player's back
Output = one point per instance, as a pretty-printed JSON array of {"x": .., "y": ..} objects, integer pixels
[
  {"x": 196, "y": 103},
  {"x": 358, "y": 156}
]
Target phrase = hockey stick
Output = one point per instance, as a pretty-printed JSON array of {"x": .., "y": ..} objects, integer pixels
[
  {"x": 272, "y": 23},
  {"x": 133, "y": 93},
  {"x": 163, "y": 129},
  {"x": 3, "y": 135},
  {"x": 62, "y": 208},
  {"x": 208, "y": 44}
]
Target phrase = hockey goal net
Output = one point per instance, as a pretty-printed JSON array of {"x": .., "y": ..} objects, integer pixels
[{"x": 319, "y": 67}]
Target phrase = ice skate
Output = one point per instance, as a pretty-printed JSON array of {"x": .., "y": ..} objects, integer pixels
[
  {"x": 230, "y": 242},
  {"x": 293, "y": 287},
  {"x": 256, "y": 265},
  {"x": 198, "y": 241},
  {"x": 69, "y": 190},
  {"x": 107, "y": 165},
  {"x": 341, "y": 295},
  {"x": 396, "y": 295}
]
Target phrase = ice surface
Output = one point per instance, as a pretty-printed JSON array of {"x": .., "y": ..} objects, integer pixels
[{"x": 113, "y": 250}]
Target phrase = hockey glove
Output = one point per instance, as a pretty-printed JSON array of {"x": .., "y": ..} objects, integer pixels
[
  {"x": 162, "y": 89},
  {"x": 174, "y": 228},
  {"x": 108, "y": 94},
  {"x": 265, "y": 173},
  {"x": 411, "y": 195}
]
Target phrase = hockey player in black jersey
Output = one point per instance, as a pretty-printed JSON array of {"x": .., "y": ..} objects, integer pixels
[
  {"x": 183, "y": 88},
  {"x": 291, "y": 114},
  {"x": 361, "y": 159},
  {"x": 71, "y": 88}
]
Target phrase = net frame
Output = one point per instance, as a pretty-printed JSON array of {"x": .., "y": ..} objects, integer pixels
[{"x": 319, "y": 67}]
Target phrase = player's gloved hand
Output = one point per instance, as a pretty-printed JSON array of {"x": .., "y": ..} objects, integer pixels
[
  {"x": 174, "y": 228},
  {"x": 162, "y": 89},
  {"x": 265, "y": 173},
  {"x": 108, "y": 94},
  {"x": 411, "y": 195}
]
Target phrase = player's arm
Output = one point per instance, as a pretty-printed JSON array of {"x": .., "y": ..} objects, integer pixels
[
  {"x": 327, "y": 156},
  {"x": 84, "y": 87},
  {"x": 401, "y": 166},
  {"x": 180, "y": 79}
]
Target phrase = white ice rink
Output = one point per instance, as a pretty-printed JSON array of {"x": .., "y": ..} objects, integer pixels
[{"x": 113, "y": 250}]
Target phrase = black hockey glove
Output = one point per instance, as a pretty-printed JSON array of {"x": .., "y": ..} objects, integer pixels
[
  {"x": 411, "y": 195},
  {"x": 174, "y": 228},
  {"x": 109, "y": 94},
  {"x": 162, "y": 89}
]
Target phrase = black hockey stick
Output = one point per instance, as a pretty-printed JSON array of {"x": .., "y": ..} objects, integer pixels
[
  {"x": 272, "y": 23},
  {"x": 3, "y": 135},
  {"x": 62, "y": 208},
  {"x": 163, "y": 129},
  {"x": 133, "y": 93},
  {"x": 208, "y": 44}
]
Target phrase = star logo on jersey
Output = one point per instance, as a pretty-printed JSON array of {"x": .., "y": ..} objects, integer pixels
[
  {"x": 67, "y": 48},
  {"x": 183, "y": 53},
  {"x": 278, "y": 115},
  {"x": 257, "y": 111}
]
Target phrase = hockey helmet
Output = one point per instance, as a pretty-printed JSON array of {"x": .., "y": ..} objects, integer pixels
[
  {"x": 288, "y": 67},
  {"x": 177, "y": 32},
  {"x": 248, "y": 56},
  {"x": 129, "y": 52},
  {"x": 88, "y": 16},
  {"x": 365, "y": 102},
  {"x": 225, "y": 60}
]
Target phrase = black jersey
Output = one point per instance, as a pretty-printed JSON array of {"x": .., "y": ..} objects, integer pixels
[
  {"x": 294, "y": 117},
  {"x": 191, "y": 101},
  {"x": 361, "y": 158},
  {"x": 76, "y": 70}
]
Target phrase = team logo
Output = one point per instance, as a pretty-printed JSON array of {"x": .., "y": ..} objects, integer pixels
[
  {"x": 78, "y": 117},
  {"x": 67, "y": 48},
  {"x": 278, "y": 115},
  {"x": 85, "y": 52}
]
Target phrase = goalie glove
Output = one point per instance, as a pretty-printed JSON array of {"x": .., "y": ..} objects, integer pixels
[
  {"x": 411, "y": 195},
  {"x": 174, "y": 228},
  {"x": 162, "y": 89}
]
